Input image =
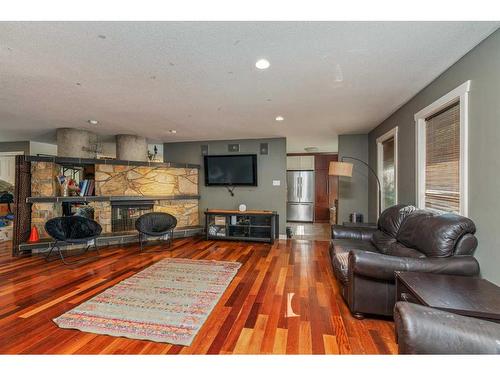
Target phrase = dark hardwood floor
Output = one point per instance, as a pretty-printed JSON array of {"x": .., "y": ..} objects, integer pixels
[{"x": 253, "y": 316}]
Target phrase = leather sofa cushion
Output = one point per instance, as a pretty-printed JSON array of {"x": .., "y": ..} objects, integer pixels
[
  {"x": 339, "y": 252},
  {"x": 346, "y": 245},
  {"x": 466, "y": 245},
  {"x": 340, "y": 265},
  {"x": 391, "y": 219},
  {"x": 382, "y": 241},
  {"x": 400, "y": 250},
  {"x": 434, "y": 235}
]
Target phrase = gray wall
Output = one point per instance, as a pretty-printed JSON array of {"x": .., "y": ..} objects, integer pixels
[
  {"x": 29, "y": 147},
  {"x": 482, "y": 67},
  {"x": 353, "y": 192},
  {"x": 15, "y": 146},
  {"x": 270, "y": 167}
]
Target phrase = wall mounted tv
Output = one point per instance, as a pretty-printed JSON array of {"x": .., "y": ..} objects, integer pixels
[{"x": 231, "y": 170}]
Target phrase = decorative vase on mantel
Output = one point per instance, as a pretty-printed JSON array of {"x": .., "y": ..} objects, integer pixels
[{"x": 64, "y": 188}]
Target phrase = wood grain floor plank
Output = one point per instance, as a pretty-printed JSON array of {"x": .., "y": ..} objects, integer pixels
[
  {"x": 284, "y": 299},
  {"x": 330, "y": 344},
  {"x": 280, "y": 340}
]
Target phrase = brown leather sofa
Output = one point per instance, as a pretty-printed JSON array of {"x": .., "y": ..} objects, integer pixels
[
  {"x": 406, "y": 239},
  {"x": 424, "y": 330}
]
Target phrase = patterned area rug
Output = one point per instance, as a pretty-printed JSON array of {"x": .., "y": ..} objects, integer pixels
[{"x": 167, "y": 302}]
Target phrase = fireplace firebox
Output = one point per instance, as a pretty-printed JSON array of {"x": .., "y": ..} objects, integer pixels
[{"x": 125, "y": 213}]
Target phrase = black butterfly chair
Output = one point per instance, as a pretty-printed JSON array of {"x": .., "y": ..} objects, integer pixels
[
  {"x": 70, "y": 230},
  {"x": 155, "y": 224}
]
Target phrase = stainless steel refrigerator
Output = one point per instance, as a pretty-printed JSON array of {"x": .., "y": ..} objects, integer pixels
[{"x": 300, "y": 199}]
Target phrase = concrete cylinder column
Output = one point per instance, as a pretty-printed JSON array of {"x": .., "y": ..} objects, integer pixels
[
  {"x": 74, "y": 143},
  {"x": 131, "y": 147}
]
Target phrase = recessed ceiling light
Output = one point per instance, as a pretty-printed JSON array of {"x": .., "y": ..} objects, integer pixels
[
  {"x": 172, "y": 131},
  {"x": 262, "y": 64},
  {"x": 93, "y": 122},
  {"x": 279, "y": 118},
  {"x": 339, "y": 77}
]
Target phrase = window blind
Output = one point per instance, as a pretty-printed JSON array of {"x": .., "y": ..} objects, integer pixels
[{"x": 442, "y": 156}]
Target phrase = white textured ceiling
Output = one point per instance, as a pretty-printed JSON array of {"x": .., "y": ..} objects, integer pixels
[{"x": 326, "y": 78}]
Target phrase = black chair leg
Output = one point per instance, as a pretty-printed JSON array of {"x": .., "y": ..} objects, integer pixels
[
  {"x": 167, "y": 238},
  {"x": 61, "y": 255},
  {"x": 63, "y": 259},
  {"x": 96, "y": 248},
  {"x": 56, "y": 246},
  {"x": 50, "y": 251}
]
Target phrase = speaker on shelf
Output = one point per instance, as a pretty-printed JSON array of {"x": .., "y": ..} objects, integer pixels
[
  {"x": 233, "y": 147},
  {"x": 204, "y": 150},
  {"x": 264, "y": 148}
]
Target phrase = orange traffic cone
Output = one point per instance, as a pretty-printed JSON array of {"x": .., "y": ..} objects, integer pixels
[{"x": 34, "y": 237}]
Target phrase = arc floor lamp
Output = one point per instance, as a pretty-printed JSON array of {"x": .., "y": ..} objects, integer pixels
[{"x": 344, "y": 169}]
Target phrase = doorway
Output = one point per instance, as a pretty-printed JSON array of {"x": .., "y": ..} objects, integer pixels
[
  {"x": 324, "y": 202},
  {"x": 7, "y": 183}
]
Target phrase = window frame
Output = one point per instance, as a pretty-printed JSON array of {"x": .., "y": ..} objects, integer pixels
[
  {"x": 393, "y": 133},
  {"x": 461, "y": 95}
]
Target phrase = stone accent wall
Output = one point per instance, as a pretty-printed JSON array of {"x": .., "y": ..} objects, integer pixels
[
  {"x": 186, "y": 211},
  {"x": 44, "y": 179},
  {"x": 41, "y": 212},
  {"x": 117, "y": 180},
  {"x": 137, "y": 181},
  {"x": 102, "y": 214}
]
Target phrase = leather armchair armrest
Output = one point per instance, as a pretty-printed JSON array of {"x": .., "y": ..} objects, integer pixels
[
  {"x": 352, "y": 233},
  {"x": 424, "y": 330},
  {"x": 379, "y": 266}
]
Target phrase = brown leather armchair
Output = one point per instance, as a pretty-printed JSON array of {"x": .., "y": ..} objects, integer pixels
[
  {"x": 406, "y": 239},
  {"x": 424, "y": 330}
]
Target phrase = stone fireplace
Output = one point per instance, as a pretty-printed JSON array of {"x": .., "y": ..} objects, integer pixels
[
  {"x": 125, "y": 213},
  {"x": 124, "y": 190}
]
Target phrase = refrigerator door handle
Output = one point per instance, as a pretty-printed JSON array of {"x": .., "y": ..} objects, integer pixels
[{"x": 299, "y": 180}]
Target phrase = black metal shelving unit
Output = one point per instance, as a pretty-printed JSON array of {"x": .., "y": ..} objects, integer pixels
[{"x": 257, "y": 226}]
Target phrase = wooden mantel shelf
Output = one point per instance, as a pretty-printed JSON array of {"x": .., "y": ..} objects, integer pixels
[
  {"x": 110, "y": 198},
  {"x": 84, "y": 161}
]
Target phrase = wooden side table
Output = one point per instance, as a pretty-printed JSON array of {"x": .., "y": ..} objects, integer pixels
[{"x": 463, "y": 295}]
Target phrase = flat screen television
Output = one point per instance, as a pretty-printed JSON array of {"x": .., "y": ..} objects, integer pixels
[{"x": 231, "y": 170}]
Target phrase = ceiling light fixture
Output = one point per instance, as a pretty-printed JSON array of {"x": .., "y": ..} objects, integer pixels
[
  {"x": 172, "y": 131},
  {"x": 279, "y": 118},
  {"x": 93, "y": 122},
  {"x": 262, "y": 64}
]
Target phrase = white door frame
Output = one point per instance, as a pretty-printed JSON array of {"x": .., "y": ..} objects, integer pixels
[
  {"x": 393, "y": 133},
  {"x": 11, "y": 153}
]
